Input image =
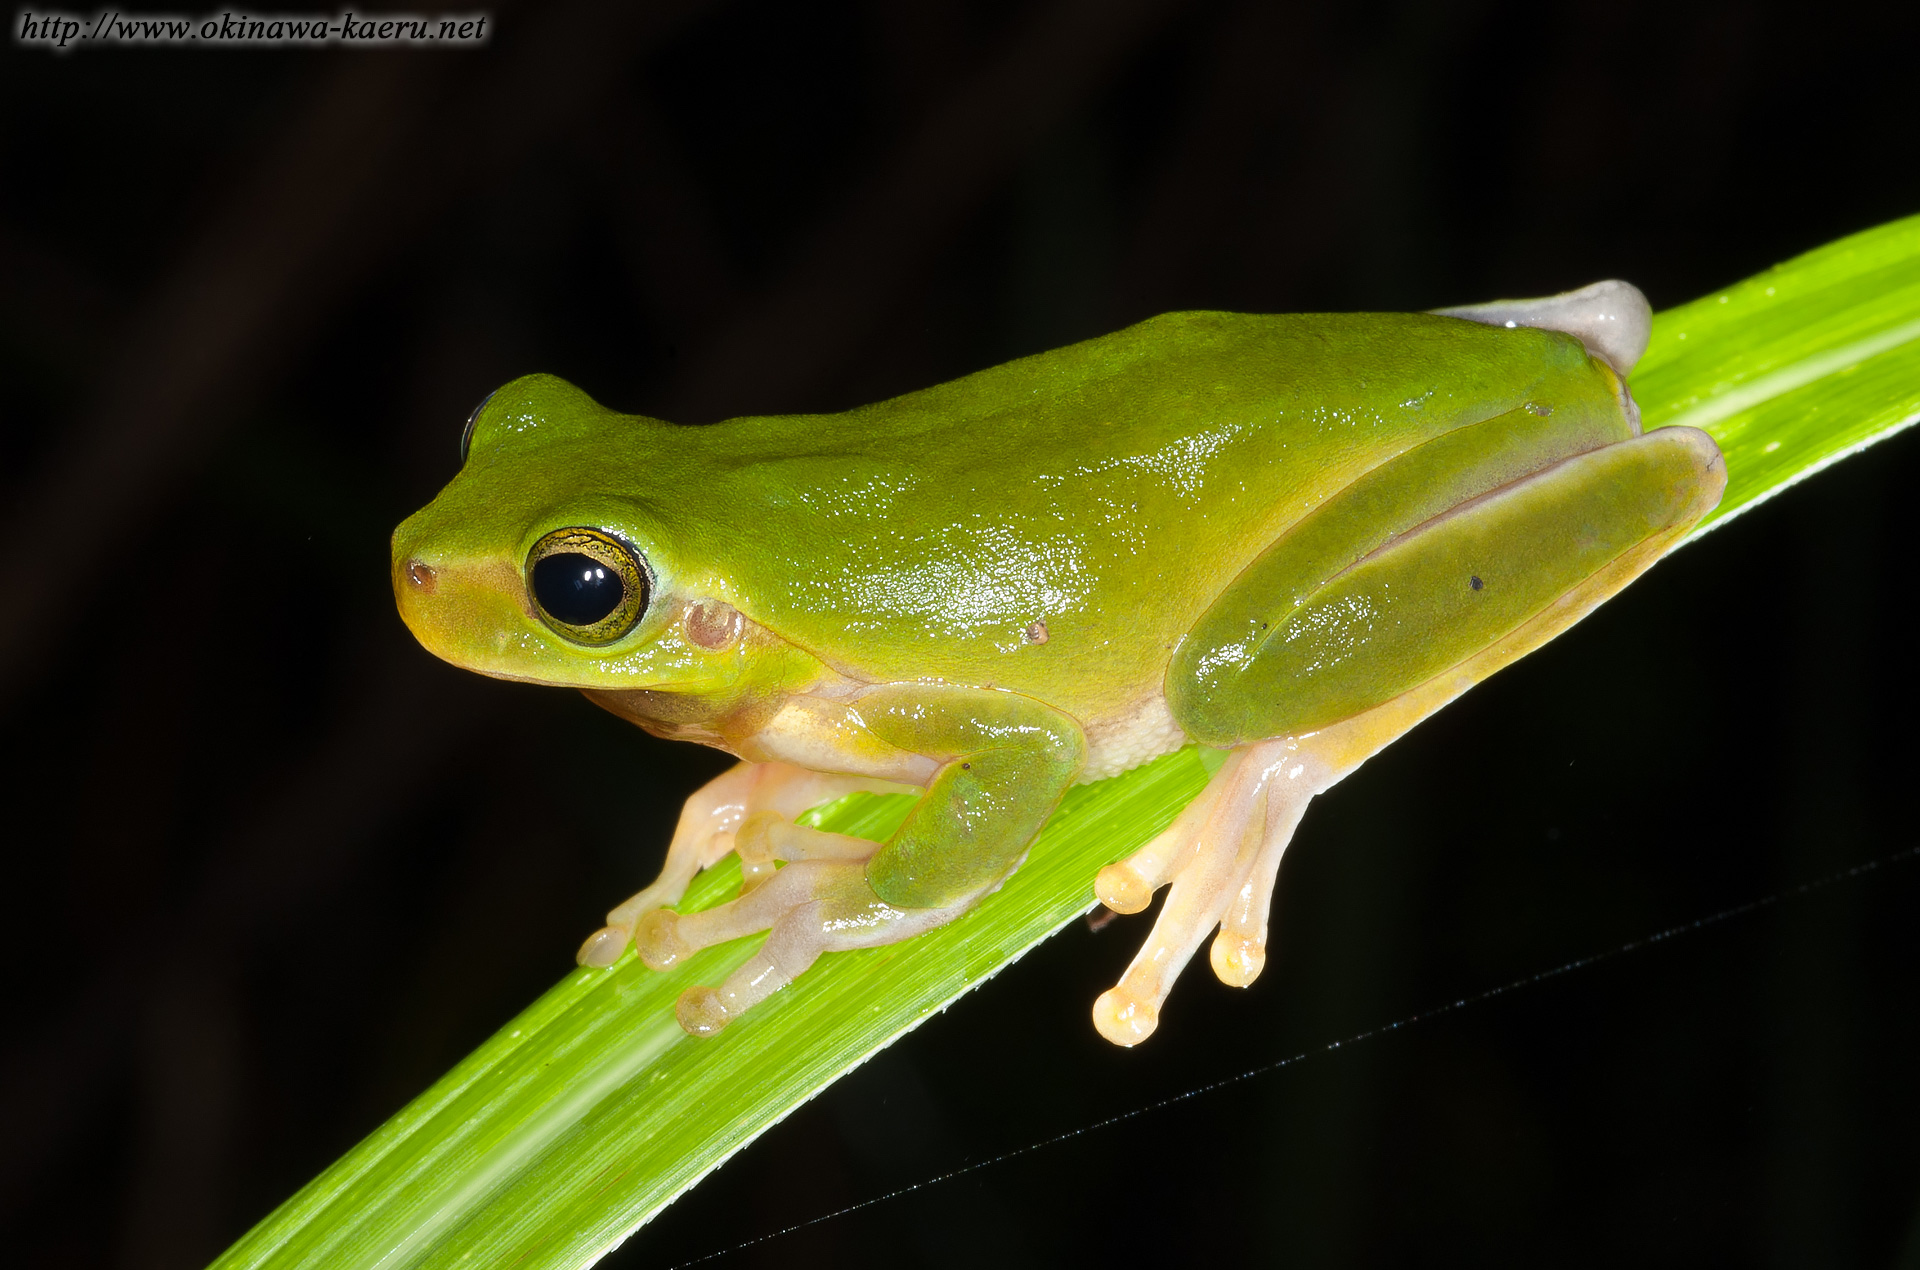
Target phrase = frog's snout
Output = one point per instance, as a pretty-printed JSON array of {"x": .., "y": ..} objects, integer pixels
[
  {"x": 413, "y": 581},
  {"x": 461, "y": 608},
  {"x": 422, "y": 590}
]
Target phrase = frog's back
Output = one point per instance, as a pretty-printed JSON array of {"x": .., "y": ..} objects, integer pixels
[
  {"x": 1358, "y": 380},
  {"x": 1056, "y": 524}
]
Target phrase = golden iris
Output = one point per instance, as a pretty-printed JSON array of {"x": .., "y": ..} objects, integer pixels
[{"x": 588, "y": 585}]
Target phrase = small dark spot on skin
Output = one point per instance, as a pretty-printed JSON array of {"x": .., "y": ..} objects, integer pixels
[
  {"x": 1535, "y": 408},
  {"x": 1475, "y": 583},
  {"x": 967, "y": 767},
  {"x": 421, "y": 575},
  {"x": 1037, "y": 632}
]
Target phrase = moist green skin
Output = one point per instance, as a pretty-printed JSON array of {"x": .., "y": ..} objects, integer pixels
[
  {"x": 1112, "y": 488},
  {"x": 960, "y": 586}
]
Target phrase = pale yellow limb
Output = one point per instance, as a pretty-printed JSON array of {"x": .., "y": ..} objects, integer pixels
[
  {"x": 1128, "y": 886},
  {"x": 1223, "y": 867},
  {"x": 706, "y": 833},
  {"x": 809, "y": 907},
  {"x": 767, "y": 836}
]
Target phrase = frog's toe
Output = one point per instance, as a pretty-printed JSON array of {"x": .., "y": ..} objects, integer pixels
[
  {"x": 797, "y": 939},
  {"x": 1238, "y": 959},
  {"x": 1222, "y": 856},
  {"x": 604, "y": 946},
  {"x": 701, "y": 1012},
  {"x": 1123, "y": 888},
  {"x": 657, "y": 939},
  {"x": 767, "y": 836},
  {"x": 1239, "y": 951},
  {"x": 1123, "y": 1018}
]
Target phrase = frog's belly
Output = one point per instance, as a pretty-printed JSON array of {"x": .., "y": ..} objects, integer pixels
[{"x": 1124, "y": 740}]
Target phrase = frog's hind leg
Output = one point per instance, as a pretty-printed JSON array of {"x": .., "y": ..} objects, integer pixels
[
  {"x": 707, "y": 830},
  {"x": 1222, "y": 856},
  {"x": 1549, "y": 549},
  {"x": 1612, "y": 318}
]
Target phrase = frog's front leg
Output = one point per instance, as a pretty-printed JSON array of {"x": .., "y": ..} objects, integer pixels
[
  {"x": 707, "y": 830},
  {"x": 1306, "y": 675},
  {"x": 998, "y": 764}
]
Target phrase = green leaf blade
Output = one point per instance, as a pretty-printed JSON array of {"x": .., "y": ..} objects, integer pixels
[{"x": 1795, "y": 368}]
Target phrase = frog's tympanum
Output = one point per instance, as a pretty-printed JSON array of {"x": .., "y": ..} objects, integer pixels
[{"x": 1290, "y": 538}]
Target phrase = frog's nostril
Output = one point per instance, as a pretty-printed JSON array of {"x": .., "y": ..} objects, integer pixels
[{"x": 421, "y": 575}]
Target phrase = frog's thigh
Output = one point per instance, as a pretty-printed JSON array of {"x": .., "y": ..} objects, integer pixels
[
  {"x": 1393, "y": 636},
  {"x": 1262, "y": 663},
  {"x": 705, "y": 834}
]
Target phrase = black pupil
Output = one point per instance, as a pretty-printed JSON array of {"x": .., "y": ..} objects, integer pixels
[{"x": 576, "y": 589}]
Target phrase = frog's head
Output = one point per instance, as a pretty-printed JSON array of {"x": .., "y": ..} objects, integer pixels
[{"x": 552, "y": 557}]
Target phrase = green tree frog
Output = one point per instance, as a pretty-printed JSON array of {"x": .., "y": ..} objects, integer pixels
[{"x": 1288, "y": 537}]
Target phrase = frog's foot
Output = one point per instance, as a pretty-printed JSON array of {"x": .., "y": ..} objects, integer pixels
[
  {"x": 707, "y": 830},
  {"x": 1612, "y": 318},
  {"x": 819, "y": 903},
  {"x": 1222, "y": 855}
]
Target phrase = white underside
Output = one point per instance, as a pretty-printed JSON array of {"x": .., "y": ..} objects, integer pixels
[{"x": 1139, "y": 735}]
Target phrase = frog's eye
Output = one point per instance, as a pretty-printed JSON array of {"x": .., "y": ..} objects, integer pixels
[
  {"x": 589, "y": 586},
  {"x": 466, "y": 433}
]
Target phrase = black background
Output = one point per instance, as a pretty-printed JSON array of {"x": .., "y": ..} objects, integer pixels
[{"x": 270, "y": 868}]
